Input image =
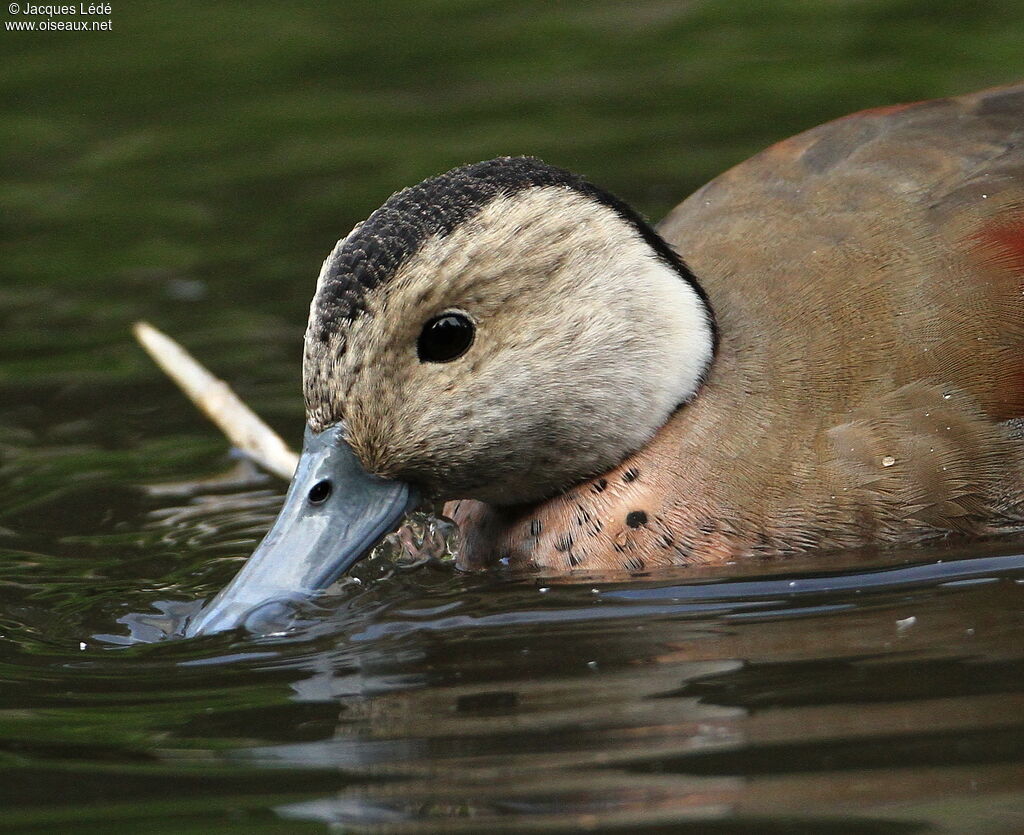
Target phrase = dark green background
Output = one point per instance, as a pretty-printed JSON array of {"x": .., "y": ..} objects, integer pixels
[{"x": 233, "y": 143}]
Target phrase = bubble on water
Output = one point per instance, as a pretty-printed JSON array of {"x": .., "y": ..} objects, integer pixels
[
  {"x": 904, "y": 624},
  {"x": 888, "y": 461}
]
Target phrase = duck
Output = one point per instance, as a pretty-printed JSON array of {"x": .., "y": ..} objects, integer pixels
[{"x": 820, "y": 349}]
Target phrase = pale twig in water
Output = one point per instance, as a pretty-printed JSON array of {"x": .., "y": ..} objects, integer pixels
[{"x": 219, "y": 403}]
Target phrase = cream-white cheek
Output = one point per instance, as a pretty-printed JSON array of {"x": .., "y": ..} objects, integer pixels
[{"x": 686, "y": 339}]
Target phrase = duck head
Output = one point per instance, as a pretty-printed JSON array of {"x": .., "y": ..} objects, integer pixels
[{"x": 498, "y": 333}]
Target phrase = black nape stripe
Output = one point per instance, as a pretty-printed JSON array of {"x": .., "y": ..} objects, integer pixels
[{"x": 375, "y": 250}]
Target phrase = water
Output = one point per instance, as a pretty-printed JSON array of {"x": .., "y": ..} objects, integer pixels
[{"x": 194, "y": 170}]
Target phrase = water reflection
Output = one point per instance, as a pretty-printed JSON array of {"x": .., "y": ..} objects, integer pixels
[{"x": 491, "y": 705}]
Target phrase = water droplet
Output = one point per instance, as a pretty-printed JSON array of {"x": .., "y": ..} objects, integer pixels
[
  {"x": 904, "y": 624},
  {"x": 82, "y": 645},
  {"x": 946, "y": 395},
  {"x": 888, "y": 461},
  {"x": 544, "y": 589},
  {"x": 592, "y": 665}
]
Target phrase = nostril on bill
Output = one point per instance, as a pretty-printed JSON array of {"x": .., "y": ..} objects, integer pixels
[{"x": 319, "y": 492}]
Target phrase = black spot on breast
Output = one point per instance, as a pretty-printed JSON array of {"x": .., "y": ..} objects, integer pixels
[
  {"x": 634, "y": 563},
  {"x": 574, "y": 560},
  {"x": 636, "y": 518},
  {"x": 583, "y": 516},
  {"x": 763, "y": 547},
  {"x": 535, "y": 527},
  {"x": 563, "y": 543},
  {"x": 600, "y": 485},
  {"x": 632, "y": 474}
]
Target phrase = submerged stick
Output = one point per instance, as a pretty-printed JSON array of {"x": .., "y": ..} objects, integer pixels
[{"x": 218, "y": 402}]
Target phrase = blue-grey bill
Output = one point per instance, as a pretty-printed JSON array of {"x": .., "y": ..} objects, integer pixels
[{"x": 316, "y": 538}]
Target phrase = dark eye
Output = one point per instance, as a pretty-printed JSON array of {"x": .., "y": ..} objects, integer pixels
[
  {"x": 319, "y": 492},
  {"x": 445, "y": 337}
]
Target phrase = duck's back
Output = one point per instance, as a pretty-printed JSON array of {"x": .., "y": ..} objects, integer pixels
[{"x": 883, "y": 248}]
